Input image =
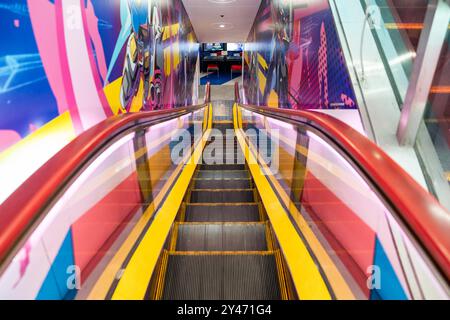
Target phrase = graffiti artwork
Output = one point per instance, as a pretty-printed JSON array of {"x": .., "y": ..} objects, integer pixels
[
  {"x": 140, "y": 58},
  {"x": 294, "y": 58},
  {"x": 66, "y": 65},
  {"x": 93, "y": 59}
]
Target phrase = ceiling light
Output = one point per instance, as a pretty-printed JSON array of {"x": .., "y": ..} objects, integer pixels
[
  {"x": 222, "y": 1},
  {"x": 223, "y": 25}
]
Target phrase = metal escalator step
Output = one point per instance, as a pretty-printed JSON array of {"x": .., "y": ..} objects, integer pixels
[
  {"x": 219, "y": 154},
  {"x": 224, "y": 277},
  {"x": 225, "y": 160},
  {"x": 222, "y": 195},
  {"x": 221, "y": 237},
  {"x": 222, "y": 174},
  {"x": 222, "y": 213},
  {"x": 222, "y": 184},
  {"x": 222, "y": 167},
  {"x": 224, "y": 148},
  {"x": 226, "y": 139},
  {"x": 223, "y": 126}
]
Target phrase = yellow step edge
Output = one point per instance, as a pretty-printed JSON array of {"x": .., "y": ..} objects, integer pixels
[
  {"x": 162, "y": 276},
  {"x": 231, "y": 179},
  {"x": 220, "y": 253},
  {"x": 218, "y": 204},
  {"x": 231, "y": 223},
  {"x": 281, "y": 276},
  {"x": 222, "y": 122},
  {"x": 269, "y": 239},
  {"x": 223, "y": 190},
  {"x": 174, "y": 239},
  {"x": 229, "y": 170}
]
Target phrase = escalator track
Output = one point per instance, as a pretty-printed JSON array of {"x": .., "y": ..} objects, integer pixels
[{"x": 221, "y": 246}]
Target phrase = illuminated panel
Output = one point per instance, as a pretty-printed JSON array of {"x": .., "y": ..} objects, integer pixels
[
  {"x": 96, "y": 230},
  {"x": 22, "y": 159},
  {"x": 349, "y": 236},
  {"x": 96, "y": 186}
]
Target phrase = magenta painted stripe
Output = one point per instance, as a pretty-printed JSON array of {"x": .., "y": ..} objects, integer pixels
[
  {"x": 93, "y": 64},
  {"x": 68, "y": 88}
]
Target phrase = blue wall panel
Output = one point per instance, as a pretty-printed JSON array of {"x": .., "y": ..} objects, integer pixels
[{"x": 55, "y": 284}]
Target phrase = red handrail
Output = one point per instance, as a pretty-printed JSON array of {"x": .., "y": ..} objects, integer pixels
[
  {"x": 208, "y": 93},
  {"x": 420, "y": 211},
  {"x": 237, "y": 96},
  {"x": 24, "y": 206}
]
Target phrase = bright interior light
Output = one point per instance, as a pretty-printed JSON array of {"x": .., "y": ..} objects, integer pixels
[{"x": 222, "y": 1}]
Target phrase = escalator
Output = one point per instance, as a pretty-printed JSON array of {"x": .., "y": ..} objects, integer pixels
[
  {"x": 220, "y": 249},
  {"x": 123, "y": 213}
]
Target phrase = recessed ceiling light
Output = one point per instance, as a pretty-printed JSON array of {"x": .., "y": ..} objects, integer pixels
[
  {"x": 223, "y": 25},
  {"x": 222, "y": 1}
]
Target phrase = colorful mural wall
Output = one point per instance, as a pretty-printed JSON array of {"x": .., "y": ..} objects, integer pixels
[
  {"x": 66, "y": 65},
  {"x": 293, "y": 58}
]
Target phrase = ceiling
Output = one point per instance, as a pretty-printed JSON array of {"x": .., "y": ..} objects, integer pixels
[{"x": 209, "y": 26}]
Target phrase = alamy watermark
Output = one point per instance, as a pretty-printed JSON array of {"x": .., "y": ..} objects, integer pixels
[
  {"x": 73, "y": 277},
  {"x": 374, "y": 277}
]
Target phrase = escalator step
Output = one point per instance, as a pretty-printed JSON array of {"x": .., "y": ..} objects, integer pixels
[
  {"x": 222, "y": 195},
  {"x": 221, "y": 237},
  {"x": 224, "y": 277},
  {"x": 222, "y": 213},
  {"x": 222, "y": 174},
  {"x": 222, "y": 184},
  {"x": 229, "y": 157},
  {"x": 228, "y": 161},
  {"x": 222, "y": 167},
  {"x": 223, "y": 126},
  {"x": 226, "y": 139},
  {"x": 215, "y": 149},
  {"x": 231, "y": 147}
]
